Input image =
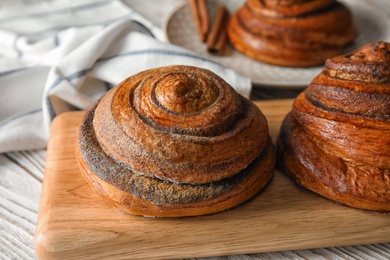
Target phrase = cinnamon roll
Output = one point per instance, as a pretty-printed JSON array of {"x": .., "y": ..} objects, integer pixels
[
  {"x": 175, "y": 141},
  {"x": 336, "y": 140},
  {"x": 295, "y": 33}
]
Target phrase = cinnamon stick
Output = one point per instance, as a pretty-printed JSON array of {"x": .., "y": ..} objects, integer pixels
[
  {"x": 218, "y": 36},
  {"x": 200, "y": 15}
]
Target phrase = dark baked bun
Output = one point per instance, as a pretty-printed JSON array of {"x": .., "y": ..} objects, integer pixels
[
  {"x": 175, "y": 141},
  {"x": 295, "y": 33},
  {"x": 336, "y": 140}
]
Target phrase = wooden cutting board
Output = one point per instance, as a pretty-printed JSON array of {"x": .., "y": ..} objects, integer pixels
[{"x": 74, "y": 223}]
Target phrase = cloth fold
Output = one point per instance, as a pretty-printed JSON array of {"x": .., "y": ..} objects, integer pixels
[{"x": 63, "y": 55}]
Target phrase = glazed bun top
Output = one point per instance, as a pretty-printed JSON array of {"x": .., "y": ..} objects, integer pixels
[
  {"x": 180, "y": 123},
  {"x": 298, "y": 33}
]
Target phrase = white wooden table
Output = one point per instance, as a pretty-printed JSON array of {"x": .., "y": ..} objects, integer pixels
[{"x": 21, "y": 175}]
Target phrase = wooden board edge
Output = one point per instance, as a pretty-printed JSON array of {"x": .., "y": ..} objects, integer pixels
[{"x": 42, "y": 240}]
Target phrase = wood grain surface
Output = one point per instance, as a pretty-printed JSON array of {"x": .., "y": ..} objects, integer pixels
[{"x": 74, "y": 223}]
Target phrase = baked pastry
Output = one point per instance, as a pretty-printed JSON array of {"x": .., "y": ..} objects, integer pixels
[
  {"x": 336, "y": 140},
  {"x": 295, "y": 33},
  {"x": 175, "y": 141}
]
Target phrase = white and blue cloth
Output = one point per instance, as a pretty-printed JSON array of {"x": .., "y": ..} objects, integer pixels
[{"x": 62, "y": 55}]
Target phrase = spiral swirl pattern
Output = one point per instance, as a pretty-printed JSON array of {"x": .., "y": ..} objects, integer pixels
[
  {"x": 190, "y": 126},
  {"x": 338, "y": 134},
  {"x": 175, "y": 127},
  {"x": 292, "y": 33}
]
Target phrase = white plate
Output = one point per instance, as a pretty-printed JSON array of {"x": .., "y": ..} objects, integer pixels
[{"x": 372, "y": 25}]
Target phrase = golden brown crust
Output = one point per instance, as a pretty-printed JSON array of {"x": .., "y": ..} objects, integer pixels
[
  {"x": 141, "y": 195},
  {"x": 175, "y": 141},
  {"x": 336, "y": 140},
  {"x": 148, "y": 137},
  {"x": 291, "y": 33},
  {"x": 315, "y": 168}
]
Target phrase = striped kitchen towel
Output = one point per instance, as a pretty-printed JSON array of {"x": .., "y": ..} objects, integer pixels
[{"x": 63, "y": 55}]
